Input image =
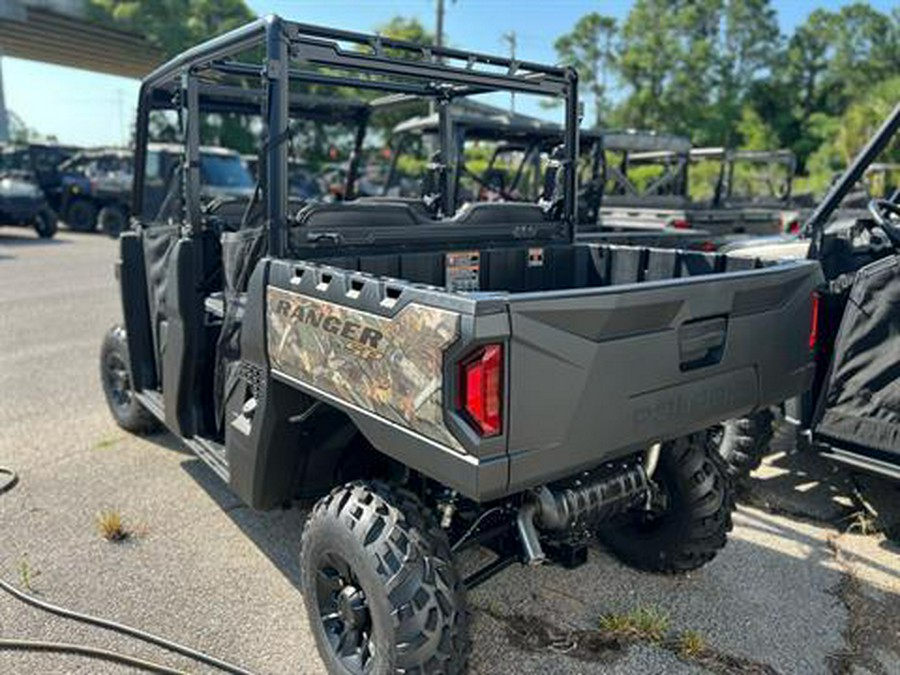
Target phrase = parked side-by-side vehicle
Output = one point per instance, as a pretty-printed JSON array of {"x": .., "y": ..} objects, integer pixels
[
  {"x": 23, "y": 200},
  {"x": 436, "y": 375},
  {"x": 850, "y": 414}
]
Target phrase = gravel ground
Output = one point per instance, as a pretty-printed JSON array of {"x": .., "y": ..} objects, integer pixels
[{"x": 794, "y": 591}]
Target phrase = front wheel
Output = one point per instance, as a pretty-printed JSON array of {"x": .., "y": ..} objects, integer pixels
[
  {"x": 380, "y": 588},
  {"x": 112, "y": 220},
  {"x": 45, "y": 223},
  {"x": 686, "y": 523},
  {"x": 115, "y": 375}
]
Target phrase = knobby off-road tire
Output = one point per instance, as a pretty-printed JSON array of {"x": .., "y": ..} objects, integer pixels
[
  {"x": 116, "y": 379},
  {"x": 45, "y": 223},
  {"x": 693, "y": 514},
  {"x": 379, "y": 584},
  {"x": 112, "y": 220},
  {"x": 743, "y": 442}
]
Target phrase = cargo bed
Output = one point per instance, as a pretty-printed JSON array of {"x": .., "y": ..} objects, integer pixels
[{"x": 606, "y": 349}]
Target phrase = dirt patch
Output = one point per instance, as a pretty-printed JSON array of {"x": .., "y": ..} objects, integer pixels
[
  {"x": 534, "y": 634},
  {"x": 724, "y": 664}
]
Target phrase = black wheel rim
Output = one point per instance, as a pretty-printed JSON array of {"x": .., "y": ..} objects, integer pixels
[
  {"x": 118, "y": 383},
  {"x": 344, "y": 613}
]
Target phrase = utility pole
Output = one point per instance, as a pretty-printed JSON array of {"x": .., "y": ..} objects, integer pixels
[
  {"x": 511, "y": 40},
  {"x": 438, "y": 41}
]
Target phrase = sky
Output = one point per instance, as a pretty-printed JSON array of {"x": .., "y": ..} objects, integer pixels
[{"x": 86, "y": 108}]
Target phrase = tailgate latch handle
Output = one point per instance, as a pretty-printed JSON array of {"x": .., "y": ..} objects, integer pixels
[{"x": 701, "y": 342}]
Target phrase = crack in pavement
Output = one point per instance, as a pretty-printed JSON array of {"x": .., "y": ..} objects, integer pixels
[
  {"x": 873, "y": 624},
  {"x": 536, "y": 634}
]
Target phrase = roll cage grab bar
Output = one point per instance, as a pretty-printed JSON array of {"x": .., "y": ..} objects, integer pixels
[{"x": 290, "y": 52}]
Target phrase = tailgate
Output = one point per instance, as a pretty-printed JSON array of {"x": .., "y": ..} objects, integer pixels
[{"x": 598, "y": 373}]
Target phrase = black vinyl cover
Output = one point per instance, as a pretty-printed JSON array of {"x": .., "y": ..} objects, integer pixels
[
  {"x": 861, "y": 404},
  {"x": 158, "y": 241},
  {"x": 240, "y": 252}
]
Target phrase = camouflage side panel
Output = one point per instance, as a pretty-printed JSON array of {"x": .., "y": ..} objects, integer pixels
[{"x": 389, "y": 366}]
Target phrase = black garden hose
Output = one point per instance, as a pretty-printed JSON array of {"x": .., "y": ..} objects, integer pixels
[
  {"x": 33, "y": 645},
  {"x": 8, "y": 479},
  {"x": 82, "y": 650}
]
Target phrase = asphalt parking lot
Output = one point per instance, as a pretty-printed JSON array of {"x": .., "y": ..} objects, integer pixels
[{"x": 802, "y": 587}]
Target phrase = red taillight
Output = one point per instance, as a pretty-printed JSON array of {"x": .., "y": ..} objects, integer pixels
[
  {"x": 793, "y": 226},
  {"x": 814, "y": 321},
  {"x": 481, "y": 389},
  {"x": 679, "y": 224}
]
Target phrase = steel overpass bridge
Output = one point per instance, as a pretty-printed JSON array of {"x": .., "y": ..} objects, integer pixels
[{"x": 59, "y": 32}]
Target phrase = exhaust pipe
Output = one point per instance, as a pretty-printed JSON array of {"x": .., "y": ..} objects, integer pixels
[{"x": 588, "y": 501}]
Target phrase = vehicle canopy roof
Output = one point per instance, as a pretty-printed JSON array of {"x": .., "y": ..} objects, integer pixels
[
  {"x": 635, "y": 140},
  {"x": 487, "y": 123}
]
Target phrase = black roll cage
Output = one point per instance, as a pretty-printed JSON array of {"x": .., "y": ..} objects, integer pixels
[
  {"x": 529, "y": 136},
  {"x": 193, "y": 80}
]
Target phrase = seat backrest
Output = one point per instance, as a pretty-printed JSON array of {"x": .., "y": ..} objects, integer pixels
[{"x": 499, "y": 213}]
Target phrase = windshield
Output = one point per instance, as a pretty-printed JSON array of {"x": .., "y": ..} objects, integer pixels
[
  {"x": 14, "y": 160},
  {"x": 226, "y": 171}
]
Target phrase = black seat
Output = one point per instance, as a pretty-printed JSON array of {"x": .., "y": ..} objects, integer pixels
[
  {"x": 360, "y": 214},
  {"x": 229, "y": 211},
  {"x": 498, "y": 213}
]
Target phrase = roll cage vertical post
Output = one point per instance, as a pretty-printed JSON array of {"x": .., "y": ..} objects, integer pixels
[
  {"x": 140, "y": 154},
  {"x": 277, "y": 94},
  {"x": 190, "y": 120},
  {"x": 356, "y": 156},
  {"x": 571, "y": 144},
  {"x": 449, "y": 160}
]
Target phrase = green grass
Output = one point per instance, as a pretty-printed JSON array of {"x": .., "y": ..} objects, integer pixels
[
  {"x": 648, "y": 624},
  {"x": 691, "y": 645},
  {"x": 112, "y": 526}
]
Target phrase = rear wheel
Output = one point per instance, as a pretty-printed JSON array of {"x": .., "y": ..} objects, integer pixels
[
  {"x": 81, "y": 216},
  {"x": 115, "y": 376},
  {"x": 689, "y": 516},
  {"x": 112, "y": 220},
  {"x": 743, "y": 442},
  {"x": 45, "y": 223},
  {"x": 380, "y": 588}
]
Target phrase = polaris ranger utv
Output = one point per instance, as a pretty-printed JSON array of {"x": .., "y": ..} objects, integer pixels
[{"x": 437, "y": 379}]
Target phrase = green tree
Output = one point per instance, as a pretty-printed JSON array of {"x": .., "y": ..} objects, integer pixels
[
  {"x": 173, "y": 25},
  {"x": 748, "y": 40},
  {"x": 589, "y": 48},
  {"x": 687, "y": 65},
  {"x": 408, "y": 29},
  {"x": 755, "y": 133}
]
